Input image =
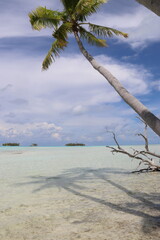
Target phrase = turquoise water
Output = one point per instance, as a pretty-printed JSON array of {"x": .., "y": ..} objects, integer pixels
[
  {"x": 76, "y": 193},
  {"x": 19, "y": 164}
]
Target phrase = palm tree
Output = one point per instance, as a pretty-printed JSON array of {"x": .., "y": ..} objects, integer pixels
[{"x": 72, "y": 20}]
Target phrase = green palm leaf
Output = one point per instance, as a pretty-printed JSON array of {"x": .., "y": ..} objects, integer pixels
[
  {"x": 85, "y": 8},
  {"x": 105, "y": 31},
  {"x": 42, "y": 18},
  {"x": 91, "y": 39},
  {"x": 62, "y": 32},
  {"x": 54, "y": 51},
  {"x": 69, "y": 5},
  {"x": 74, "y": 14}
]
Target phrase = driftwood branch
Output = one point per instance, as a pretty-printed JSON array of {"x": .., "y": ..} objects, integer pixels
[
  {"x": 145, "y": 156},
  {"x": 114, "y": 137}
]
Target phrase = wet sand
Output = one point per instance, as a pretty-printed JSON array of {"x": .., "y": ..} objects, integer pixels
[{"x": 89, "y": 195}]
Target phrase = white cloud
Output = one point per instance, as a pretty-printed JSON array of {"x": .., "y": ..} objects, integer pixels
[
  {"x": 55, "y": 92},
  {"x": 45, "y": 126},
  {"x": 56, "y": 136},
  {"x": 15, "y": 17},
  {"x": 79, "y": 109},
  {"x": 29, "y": 132},
  {"x": 156, "y": 85}
]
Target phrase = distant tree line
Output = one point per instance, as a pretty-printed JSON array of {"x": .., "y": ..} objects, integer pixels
[
  {"x": 10, "y": 144},
  {"x": 18, "y": 144},
  {"x": 75, "y": 144},
  {"x": 34, "y": 145}
]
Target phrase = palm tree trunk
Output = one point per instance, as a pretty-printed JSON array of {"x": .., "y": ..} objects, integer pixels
[
  {"x": 153, "y": 5},
  {"x": 151, "y": 120}
]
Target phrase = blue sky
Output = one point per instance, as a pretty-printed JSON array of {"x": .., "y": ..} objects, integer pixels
[{"x": 71, "y": 102}]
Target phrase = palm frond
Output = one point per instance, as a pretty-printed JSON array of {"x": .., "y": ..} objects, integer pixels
[
  {"x": 91, "y": 39},
  {"x": 42, "y": 18},
  {"x": 105, "y": 31},
  {"x": 69, "y": 5},
  {"x": 85, "y": 8},
  {"x": 62, "y": 32},
  {"x": 54, "y": 51}
]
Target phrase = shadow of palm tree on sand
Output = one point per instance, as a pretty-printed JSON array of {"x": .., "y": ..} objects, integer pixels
[{"x": 73, "y": 180}]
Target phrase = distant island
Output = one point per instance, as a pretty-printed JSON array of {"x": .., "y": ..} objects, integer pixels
[
  {"x": 10, "y": 144},
  {"x": 75, "y": 144},
  {"x": 34, "y": 145}
]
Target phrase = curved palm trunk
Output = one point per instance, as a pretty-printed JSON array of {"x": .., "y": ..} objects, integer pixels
[
  {"x": 153, "y": 5},
  {"x": 151, "y": 120}
]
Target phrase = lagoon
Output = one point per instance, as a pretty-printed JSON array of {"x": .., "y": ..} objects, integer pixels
[{"x": 57, "y": 193}]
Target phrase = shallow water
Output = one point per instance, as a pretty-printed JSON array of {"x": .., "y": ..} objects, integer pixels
[{"x": 76, "y": 193}]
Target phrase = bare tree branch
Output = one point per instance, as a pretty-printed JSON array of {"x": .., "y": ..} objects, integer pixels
[
  {"x": 135, "y": 156},
  {"x": 114, "y": 137},
  {"x": 142, "y": 156}
]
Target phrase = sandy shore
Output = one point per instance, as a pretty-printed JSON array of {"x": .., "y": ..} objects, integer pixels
[{"x": 82, "y": 203}]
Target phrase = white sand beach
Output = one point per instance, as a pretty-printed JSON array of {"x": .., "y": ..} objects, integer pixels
[{"x": 74, "y": 193}]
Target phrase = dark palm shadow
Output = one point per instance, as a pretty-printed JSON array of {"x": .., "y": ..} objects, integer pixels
[{"x": 72, "y": 179}]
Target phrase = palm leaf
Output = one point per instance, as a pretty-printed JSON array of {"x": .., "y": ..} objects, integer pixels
[
  {"x": 54, "y": 51},
  {"x": 91, "y": 39},
  {"x": 85, "y": 8},
  {"x": 105, "y": 31},
  {"x": 69, "y": 5},
  {"x": 62, "y": 32},
  {"x": 42, "y": 18}
]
